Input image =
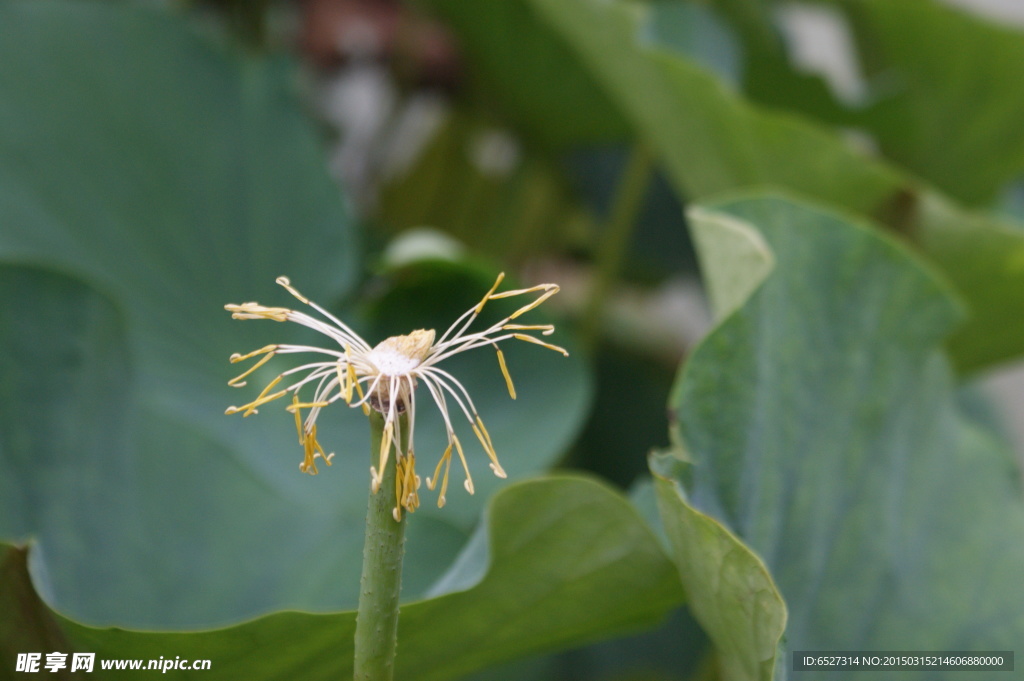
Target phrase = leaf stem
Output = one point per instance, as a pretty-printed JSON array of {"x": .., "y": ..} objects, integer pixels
[
  {"x": 376, "y": 638},
  {"x": 626, "y": 204}
]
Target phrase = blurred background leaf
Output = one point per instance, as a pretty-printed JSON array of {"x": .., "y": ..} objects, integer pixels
[
  {"x": 711, "y": 140},
  {"x": 134, "y": 208},
  {"x": 947, "y": 96}
]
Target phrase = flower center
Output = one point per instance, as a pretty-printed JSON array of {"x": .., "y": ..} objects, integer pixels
[{"x": 399, "y": 355}]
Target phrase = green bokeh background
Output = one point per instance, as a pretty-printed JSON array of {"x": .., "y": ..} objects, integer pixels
[{"x": 813, "y": 468}]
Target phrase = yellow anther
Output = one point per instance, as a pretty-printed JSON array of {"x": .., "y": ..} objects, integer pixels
[
  {"x": 236, "y": 357},
  {"x": 298, "y": 418},
  {"x": 446, "y": 460},
  {"x": 468, "y": 484},
  {"x": 526, "y": 308},
  {"x": 489, "y": 294},
  {"x": 262, "y": 399},
  {"x": 237, "y": 381},
  {"x": 286, "y": 282},
  {"x": 504, "y": 371},
  {"x": 531, "y": 339},
  {"x": 485, "y": 440},
  {"x": 385, "y": 447},
  {"x": 551, "y": 289},
  {"x": 291, "y": 408},
  {"x": 359, "y": 389},
  {"x": 257, "y": 311},
  {"x": 313, "y": 450},
  {"x": 545, "y": 329}
]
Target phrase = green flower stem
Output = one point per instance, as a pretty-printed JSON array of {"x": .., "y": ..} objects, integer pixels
[
  {"x": 628, "y": 200},
  {"x": 377, "y": 618}
]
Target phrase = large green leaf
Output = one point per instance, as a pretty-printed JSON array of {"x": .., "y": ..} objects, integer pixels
[
  {"x": 563, "y": 560},
  {"x": 710, "y": 140},
  {"x": 950, "y": 93},
  {"x": 821, "y": 422},
  {"x": 148, "y": 177}
]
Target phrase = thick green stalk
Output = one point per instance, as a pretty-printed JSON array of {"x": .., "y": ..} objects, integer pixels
[
  {"x": 626, "y": 204},
  {"x": 377, "y": 617}
]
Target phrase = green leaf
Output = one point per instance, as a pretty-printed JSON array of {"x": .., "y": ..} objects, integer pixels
[
  {"x": 730, "y": 591},
  {"x": 505, "y": 55},
  {"x": 950, "y": 93},
  {"x": 564, "y": 560},
  {"x": 147, "y": 177},
  {"x": 711, "y": 141},
  {"x": 822, "y": 424},
  {"x": 708, "y": 138}
]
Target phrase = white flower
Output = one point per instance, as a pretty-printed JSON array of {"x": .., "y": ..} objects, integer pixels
[{"x": 385, "y": 377}]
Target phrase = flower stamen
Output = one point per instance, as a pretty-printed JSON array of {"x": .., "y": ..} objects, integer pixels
[
  {"x": 263, "y": 398},
  {"x": 504, "y": 372},
  {"x": 237, "y": 381},
  {"x": 537, "y": 341},
  {"x": 384, "y": 378}
]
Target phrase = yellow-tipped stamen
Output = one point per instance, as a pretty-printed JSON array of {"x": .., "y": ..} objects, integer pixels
[
  {"x": 396, "y": 512},
  {"x": 298, "y": 418},
  {"x": 286, "y": 282},
  {"x": 237, "y": 381},
  {"x": 385, "y": 450},
  {"x": 545, "y": 329},
  {"x": 237, "y": 357},
  {"x": 344, "y": 386},
  {"x": 446, "y": 461},
  {"x": 485, "y": 439},
  {"x": 257, "y": 311},
  {"x": 432, "y": 480},
  {"x": 537, "y": 341},
  {"x": 312, "y": 451},
  {"x": 529, "y": 306},
  {"x": 304, "y": 405},
  {"x": 504, "y": 372},
  {"x": 441, "y": 498},
  {"x": 411, "y": 499},
  {"x": 490, "y": 294},
  {"x": 359, "y": 389},
  {"x": 520, "y": 291},
  {"x": 468, "y": 484},
  {"x": 263, "y": 398}
]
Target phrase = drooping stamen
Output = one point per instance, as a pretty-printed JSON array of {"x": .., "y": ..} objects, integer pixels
[
  {"x": 385, "y": 450},
  {"x": 446, "y": 461},
  {"x": 504, "y": 372},
  {"x": 485, "y": 439},
  {"x": 359, "y": 389},
  {"x": 298, "y": 419},
  {"x": 468, "y": 484},
  {"x": 313, "y": 450}
]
